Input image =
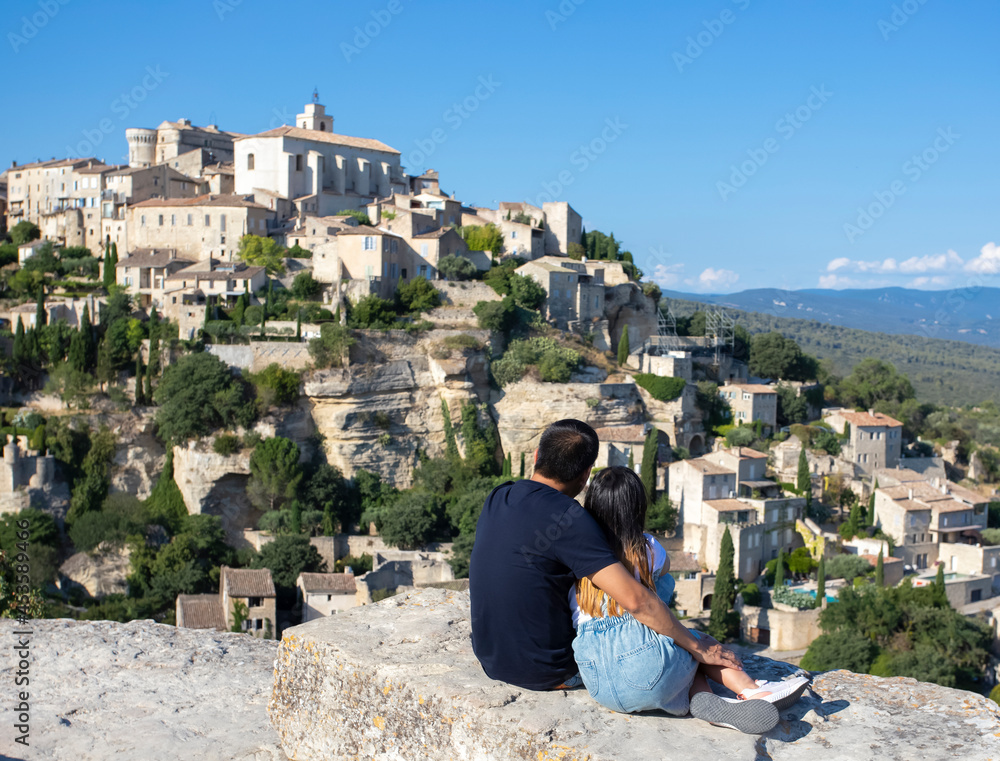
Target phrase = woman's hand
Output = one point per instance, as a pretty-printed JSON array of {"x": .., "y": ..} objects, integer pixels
[{"x": 709, "y": 651}]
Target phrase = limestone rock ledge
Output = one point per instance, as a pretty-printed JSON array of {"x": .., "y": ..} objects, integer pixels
[
  {"x": 142, "y": 691},
  {"x": 398, "y": 680}
]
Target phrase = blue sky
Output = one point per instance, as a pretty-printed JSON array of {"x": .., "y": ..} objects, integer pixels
[{"x": 729, "y": 144}]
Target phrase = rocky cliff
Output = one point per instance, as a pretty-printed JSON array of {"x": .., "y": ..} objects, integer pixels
[{"x": 397, "y": 680}]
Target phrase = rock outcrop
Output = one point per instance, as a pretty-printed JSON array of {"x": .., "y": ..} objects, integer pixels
[
  {"x": 101, "y": 690},
  {"x": 215, "y": 484},
  {"x": 385, "y": 408},
  {"x": 398, "y": 680},
  {"x": 101, "y": 573}
]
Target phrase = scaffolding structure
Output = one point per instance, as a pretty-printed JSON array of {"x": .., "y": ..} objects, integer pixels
[{"x": 720, "y": 326}]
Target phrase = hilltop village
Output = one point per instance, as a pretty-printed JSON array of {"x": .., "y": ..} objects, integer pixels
[{"x": 253, "y": 379}]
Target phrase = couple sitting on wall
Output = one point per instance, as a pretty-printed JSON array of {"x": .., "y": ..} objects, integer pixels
[{"x": 564, "y": 595}]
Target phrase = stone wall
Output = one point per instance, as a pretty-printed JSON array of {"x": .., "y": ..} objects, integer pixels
[{"x": 398, "y": 680}]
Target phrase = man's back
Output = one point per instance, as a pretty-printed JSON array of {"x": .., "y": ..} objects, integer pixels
[{"x": 532, "y": 544}]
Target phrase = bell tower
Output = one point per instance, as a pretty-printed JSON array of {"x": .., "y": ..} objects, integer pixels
[{"x": 314, "y": 116}]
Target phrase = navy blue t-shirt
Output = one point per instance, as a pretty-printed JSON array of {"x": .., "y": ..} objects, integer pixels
[{"x": 532, "y": 544}]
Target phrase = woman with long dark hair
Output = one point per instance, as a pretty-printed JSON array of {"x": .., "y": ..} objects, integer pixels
[{"x": 627, "y": 666}]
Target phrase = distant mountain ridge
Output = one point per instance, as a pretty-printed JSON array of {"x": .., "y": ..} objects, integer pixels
[{"x": 969, "y": 314}]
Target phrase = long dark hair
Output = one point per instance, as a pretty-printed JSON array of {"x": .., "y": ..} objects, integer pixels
[{"x": 617, "y": 501}]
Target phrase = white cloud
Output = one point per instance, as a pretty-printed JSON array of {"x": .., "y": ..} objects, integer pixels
[
  {"x": 915, "y": 265},
  {"x": 668, "y": 275},
  {"x": 937, "y": 281},
  {"x": 712, "y": 279},
  {"x": 988, "y": 261},
  {"x": 838, "y": 263},
  {"x": 836, "y": 282},
  {"x": 932, "y": 263}
]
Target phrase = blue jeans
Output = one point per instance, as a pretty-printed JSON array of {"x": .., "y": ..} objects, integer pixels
[{"x": 628, "y": 667}]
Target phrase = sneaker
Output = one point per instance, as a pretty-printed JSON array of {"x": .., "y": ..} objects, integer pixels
[
  {"x": 755, "y": 717},
  {"x": 783, "y": 694}
]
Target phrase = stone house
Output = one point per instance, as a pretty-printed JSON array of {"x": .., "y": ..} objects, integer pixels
[
  {"x": 200, "y": 612},
  {"x": 324, "y": 594},
  {"x": 318, "y": 170},
  {"x": 751, "y": 402},
  {"x": 211, "y": 282},
  {"x": 70, "y": 310},
  {"x": 874, "y": 440},
  {"x": 673, "y": 364},
  {"x": 574, "y": 296},
  {"x": 255, "y": 589},
  {"x": 144, "y": 272},
  {"x": 197, "y": 228},
  {"x": 616, "y": 443},
  {"x": 403, "y": 569},
  {"x": 42, "y": 187},
  {"x": 936, "y": 520},
  {"x": 126, "y": 186},
  {"x": 22, "y": 468}
]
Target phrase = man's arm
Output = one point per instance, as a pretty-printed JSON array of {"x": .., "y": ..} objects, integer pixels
[{"x": 644, "y": 605}]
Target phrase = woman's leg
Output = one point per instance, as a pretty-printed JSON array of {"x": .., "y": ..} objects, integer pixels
[{"x": 735, "y": 680}]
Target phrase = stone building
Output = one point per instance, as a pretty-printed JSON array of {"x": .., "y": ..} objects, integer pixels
[
  {"x": 41, "y": 187},
  {"x": 144, "y": 272},
  {"x": 171, "y": 140},
  {"x": 751, "y": 402},
  {"x": 318, "y": 170},
  {"x": 324, "y": 594},
  {"x": 124, "y": 187},
  {"x": 255, "y": 590},
  {"x": 574, "y": 295},
  {"x": 874, "y": 440},
  {"x": 936, "y": 520},
  {"x": 22, "y": 469},
  {"x": 197, "y": 228},
  {"x": 210, "y": 282}
]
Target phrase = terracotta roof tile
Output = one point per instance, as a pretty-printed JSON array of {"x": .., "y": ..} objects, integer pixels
[
  {"x": 246, "y": 582},
  {"x": 328, "y": 582},
  {"x": 227, "y": 201},
  {"x": 202, "y": 612}
]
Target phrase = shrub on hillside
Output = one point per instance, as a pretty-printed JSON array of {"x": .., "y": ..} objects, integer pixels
[{"x": 660, "y": 388}]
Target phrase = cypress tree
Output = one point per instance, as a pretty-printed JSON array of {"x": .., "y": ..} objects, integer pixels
[
  {"x": 623, "y": 347},
  {"x": 450, "y": 445},
  {"x": 725, "y": 591},
  {"x": 803, "y": 481},
  {"x": 20, "y": 345},
  {"x": 583, "y": 236},
  {"x": 821, "y": 581},
  {"x": 109, "y": 269},
  {"x": 238, "y": 311},
  {"x": 871, "y": 505},
  {"x": 298, "y": 326},
  {"x": 154, "y": 355},
  {"x": 328, "y": 520},
  {"x": 77, "y": 356},
  {"x": 87, "y": 331},
  {"x": 522, "y": 465},
  {"x": 506, "y": 470},
  {"x": 940, "y": 595},
  {"x": 263, "y": 322},
  {"x": 148, "y": 391},
  {"x": 41, "y": 318},
  {"x": 879, "y": 571},
  {"x": 295, "y": 524},
  {"x": 648, "y": 468},
  {"x": 779, "y": 570},
  {"x": 631, "y": 458}
]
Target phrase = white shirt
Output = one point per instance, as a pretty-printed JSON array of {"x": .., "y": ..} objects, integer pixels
[{"x": 657, "y": 558}]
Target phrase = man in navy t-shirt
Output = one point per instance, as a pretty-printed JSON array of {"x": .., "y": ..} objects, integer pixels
[{"x": 533, "y": 542}]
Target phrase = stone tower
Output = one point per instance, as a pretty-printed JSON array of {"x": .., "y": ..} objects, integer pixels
[
  {"x": 314, "y": 116},
  {"x": 141, "y": 146}
]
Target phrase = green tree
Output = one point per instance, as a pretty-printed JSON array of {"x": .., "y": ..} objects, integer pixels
[
  {"x": 661, "y": 517},
  {"x": 262, "y": 252},
  {"x": 275, "y": 473},
  {"x": 498, "y": 316},
  {"x": 90, "y": 491},
  {"x": 720, "y": 623},
  {"x": 371, "y": 312},
  {"x": 521, "y": 474},
  {"x": 940, "y": 593},
  {"x": 623, "y": 347},
  {"x": 873, "y": 381},
  {"x": 331, "y": 348},
  {"x": 821, "y": 581},
  {"x": 304, "y": 286},
  {"x": 24, "y": 232},
  {"x": 779, "y": 572},
  {"x": 774, "y": 356},
  {"x": 487, "y": 237},
  {"x": 275, "y": 385},
  {"x": 41, "y": 316},
  {"x": 803, "y": 481},
  {"x": 165, "y": 504},
  {"x": 411, "y": 521},
  {"x": 121, "y": 516},
  {"x": 417, "y": 295},
  {"x": 631, "y": 458},
  {"x": 879, "y": 571},
  {"x": 455, "y": 267},
  {"x": 286, "y": 557},
  {"x": 198, "y": 394},
  {"x": 647, "y": 471},
  {"x": 870, "y": 520},
  {"x": 526, "y": 292},
  {"x": 844, "y": 650}
]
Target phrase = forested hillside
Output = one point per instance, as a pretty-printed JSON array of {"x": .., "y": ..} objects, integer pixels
[{"x": 942, "y": 372}]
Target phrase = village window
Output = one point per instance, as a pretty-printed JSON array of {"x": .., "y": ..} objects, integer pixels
[
  {"x": 255, "y": 602},
  {"x": 142, "y": 220},
  {"x": 208, "y": 220},
  {"x": 369, "y": 243},
  {"x": 513, "y": 234},
  {"x": 423, "y": 249},
  {"x": 298, "y": 162},
  {"x": 190, "y": 220},
  {"x": 161, "y": 220},
  {"x": 249, "y": 161},
  {"x": 173, "y": 220},
  {"x": 222, "y": 223},
  {"x": 393, "y": 271}
]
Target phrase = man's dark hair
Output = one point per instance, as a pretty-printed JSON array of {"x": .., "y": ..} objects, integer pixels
[{"x": 568, "y": 448}]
